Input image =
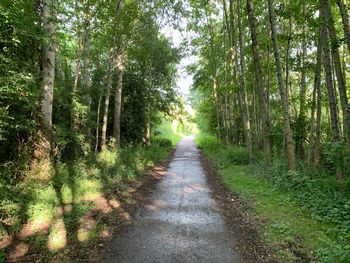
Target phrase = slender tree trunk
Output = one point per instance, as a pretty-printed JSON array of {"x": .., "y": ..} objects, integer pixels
[
  {"x": 288, "y": 48},
  {"x": 86, "y": 72},
  {"x": 301, "y": 126},
  {"x": 118, "y": 96},
  {"x": 48, "y": 65},
  {"x": 284, "y": 99},
  {"x": 214, "y": 75},
  {"x": 74, "y": 111},
  {"x": 311, "y": 156},
  {"x": 97, "y": 135},
  {"x": 345, "y": 20},
  {"x": 119, "y": 67},
  {"x": 246, "y": 115},
  {"x": 258, "y": 82},
  {"x": 327, "y": 14},
  {"x": 318, "y": 128},
  {"x": 330, "y": 86},
  {"x": 106, "y": 102}
]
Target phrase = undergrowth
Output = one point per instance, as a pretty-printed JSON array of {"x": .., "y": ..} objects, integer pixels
[
  {"x": 304, "y": 215},
  {"x": 63, "y": 203}
]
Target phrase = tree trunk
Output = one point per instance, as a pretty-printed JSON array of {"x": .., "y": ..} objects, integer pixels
[
  {"x": 327, "y": 14},
  {"x": 311, "y": 156},
  {"x": 318, "y": 128},
  {"x": 284, "y": 99},
  {"x": 74, "y": 111},
  {"x": 330, "y": 86},
  {"x": 288, "y": 48},
  {"x": 119, "y": 65},
  {"x": 214, "y": 74},
  {"x": 86, "y": 74},
  {"x": 258, "y": 82},
  {"x": 246, "y": 115},
  {"x": 48, "y": 65},
  {"x": 106, "y": 102},
  {"x": 301, "y": 122},
  {"x": 97, "y": 135},
  {"x": 345, "y": 20}
]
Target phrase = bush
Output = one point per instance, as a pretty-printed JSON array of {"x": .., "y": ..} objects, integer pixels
[
  {"x": 224, "y": 154},
  {"x": 237, "y": 155}
]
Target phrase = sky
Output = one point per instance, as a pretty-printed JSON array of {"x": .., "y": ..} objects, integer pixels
[{"x": 185, "y": 80}]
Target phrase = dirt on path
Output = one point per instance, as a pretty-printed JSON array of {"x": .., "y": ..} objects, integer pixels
[{"x": 186, "y": 217}]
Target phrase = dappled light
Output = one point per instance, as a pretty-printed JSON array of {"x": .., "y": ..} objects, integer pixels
[
  {"x": 57, "y": 238},
  {"x": 193, "y": 188},
  {"x": 19, "y": 251},
  {"x": 157, "y": 205}
]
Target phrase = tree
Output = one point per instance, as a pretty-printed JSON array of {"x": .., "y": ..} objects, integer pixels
[
  {"x": 264, "y": 115},
  {"x": 48, "y": 64},
  {"x": 284, "y": 99}
]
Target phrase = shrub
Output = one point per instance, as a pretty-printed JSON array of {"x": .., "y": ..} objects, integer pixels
[{"x": 237, "y": 155}]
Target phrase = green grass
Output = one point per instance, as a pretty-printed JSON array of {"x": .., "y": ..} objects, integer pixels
[
  {"x": 65, "y": 203},
  {"x": 287, "y": 223}
]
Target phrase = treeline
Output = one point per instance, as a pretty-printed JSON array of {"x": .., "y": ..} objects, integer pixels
[
  {"x": 78, "y": 75},
  {"x": 272, "y": 76}
]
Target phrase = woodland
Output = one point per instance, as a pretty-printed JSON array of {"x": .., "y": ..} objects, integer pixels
[{"x": 88, "y": 93}]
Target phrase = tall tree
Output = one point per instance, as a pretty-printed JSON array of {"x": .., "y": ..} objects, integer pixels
[
  {"x": 119, "y": 67},
  {"x": 345, "y": 19},
  {"x": 246, "y": 115},
  {"x": 264, "y": 115},
  {"x": 47, "y": 63},
  {"x": 327, "y": 15},
  {"x": 282, "y": 91}
]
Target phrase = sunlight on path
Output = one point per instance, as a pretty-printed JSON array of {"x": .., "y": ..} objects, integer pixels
[{"x": 180, "y": 222}]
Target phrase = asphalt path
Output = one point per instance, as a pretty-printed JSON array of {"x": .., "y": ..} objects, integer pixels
[{"x": 180, "y": 222}]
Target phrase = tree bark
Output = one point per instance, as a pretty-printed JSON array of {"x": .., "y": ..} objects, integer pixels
[
  {"x": 258, "y": 82},
  {"x": 214, "y": 74},
  {"x": 48, "y": 65},
  {"x": 86, "y": 74},
  {"x": 97, "y": 134},
  {"x": 311, "y": 156},
  {"x": 119, "y": 65},
  {"x": 288, "y": 48},
  {"x": 330, "y": 86},
  {"x": 301, "y": 122},
  {"x": 327, "y": 14},
  {"x": 246, "y": 115},
  {"x": 106, "y": 102},
  {"x": 284, "y": 99},
  {"x": 345, "y": 20}
]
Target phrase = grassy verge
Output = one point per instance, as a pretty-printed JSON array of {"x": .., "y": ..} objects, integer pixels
[
  {"x": 303, "y": 217},
  {"x": 60, "y": 207}
]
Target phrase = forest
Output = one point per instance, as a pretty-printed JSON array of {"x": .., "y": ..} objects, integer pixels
[{"x": 89, "y": 101}]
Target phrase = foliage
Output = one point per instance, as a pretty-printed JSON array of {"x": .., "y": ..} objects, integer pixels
[
  {"x": 294, "y": 207},
  {"x": 77, "y": 188}
]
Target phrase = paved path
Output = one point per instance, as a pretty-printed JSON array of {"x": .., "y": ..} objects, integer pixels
[{"x": 182, "y": 222}]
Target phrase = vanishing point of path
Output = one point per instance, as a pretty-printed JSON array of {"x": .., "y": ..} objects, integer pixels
[{"x": 181, "y": 223}]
